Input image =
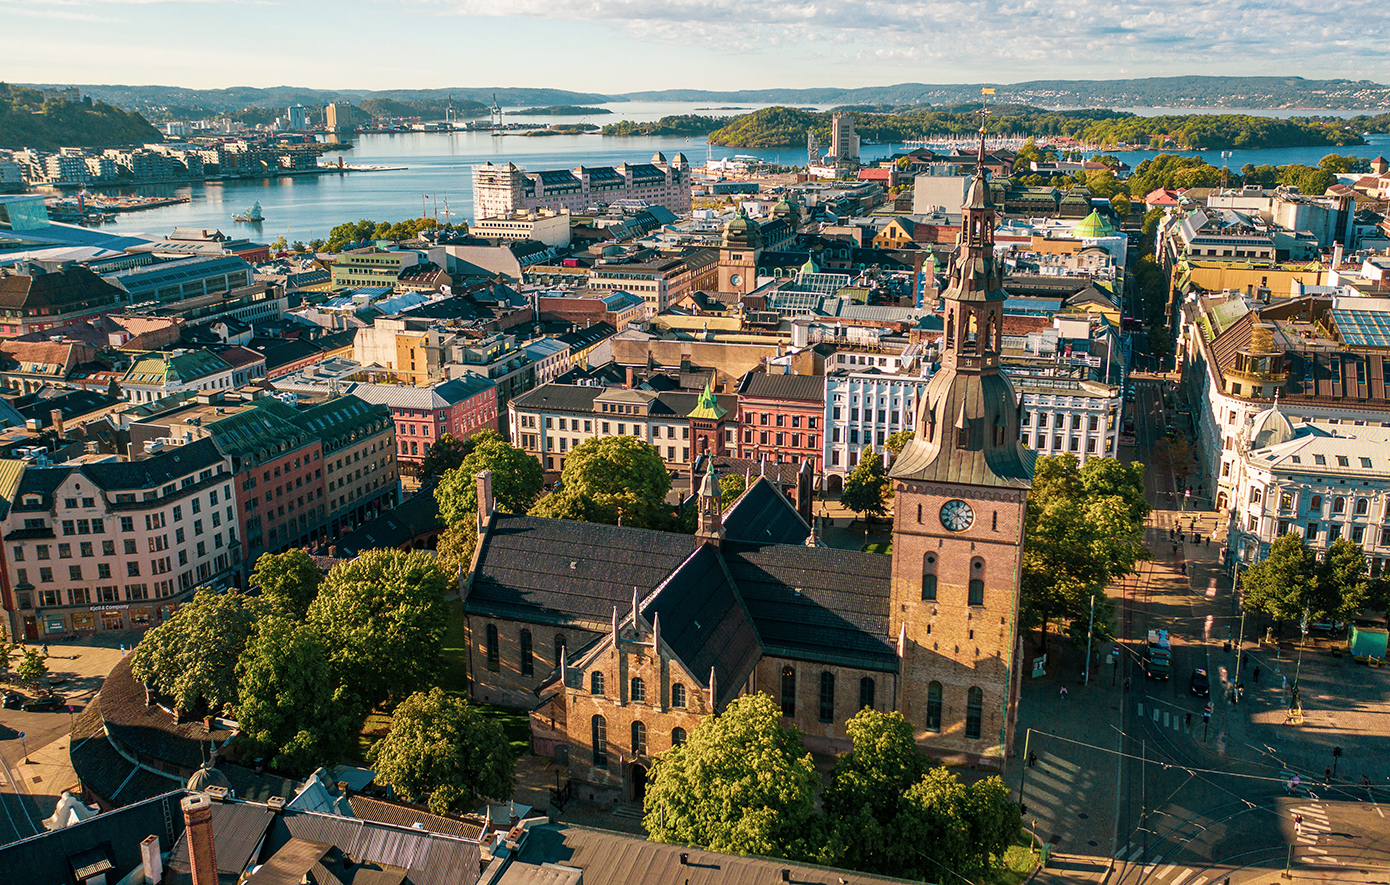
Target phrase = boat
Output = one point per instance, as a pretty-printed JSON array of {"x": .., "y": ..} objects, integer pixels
[{"x": 250, "y": 215}]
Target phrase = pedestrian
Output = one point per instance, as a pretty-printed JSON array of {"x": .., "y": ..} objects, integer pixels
[
  {"x": 1245, "y": 659},
  {"x": 1240, "y": 692},
  {"x": 45, "y": 649},
  {"x": 1327, "y": 775},
  {"x": 1255, "y": 677},
  {"x": 1032, "y": 759},
  {"x": 1062, "y": 693},
  {"x": 1208, "y": 542},
  {"x": 1188, "y": 721},
  {"x": 1126, "y": 683},
  {"x": 1298, "y": 823}
]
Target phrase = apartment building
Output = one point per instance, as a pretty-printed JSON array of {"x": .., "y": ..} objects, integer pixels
[
  {"x": 1076, "y": 416},
  {"x": 108, "y": 545},
  {"x": 862, "y": 408},
  {"x": 659, "y": 282},
  {"x": 461, "y": 407},
  {"x": 154, "y": 376},
  {"x": 359, "y": 457},
  {"x": 39, "y": 295},
  {"x": 502, "y": 190},
  {"x": 371, "y": 267},
  {"x": 781, "y": 418}
]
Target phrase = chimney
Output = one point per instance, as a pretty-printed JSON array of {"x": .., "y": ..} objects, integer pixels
[
  {"x": 150, "y": 859},
  {"x": 485, "y": 501},
  {"x": 631, "y": 375},
  {"x": 343, "y": 789},
  {"x": 57, "y": 417},
  {"x": 202, "y": 852}
]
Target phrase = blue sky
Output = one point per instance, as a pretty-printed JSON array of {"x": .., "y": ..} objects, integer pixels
[{"x": 626, "y": 45}]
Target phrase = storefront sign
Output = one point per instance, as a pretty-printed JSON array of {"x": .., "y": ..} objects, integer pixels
[{"x": 115, "y": 606}]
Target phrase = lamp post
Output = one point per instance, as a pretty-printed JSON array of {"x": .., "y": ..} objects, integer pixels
[{"x": 1294, "y": 704}]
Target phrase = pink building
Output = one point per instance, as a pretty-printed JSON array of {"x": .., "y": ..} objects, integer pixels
[{"x": 460, "y": 407}]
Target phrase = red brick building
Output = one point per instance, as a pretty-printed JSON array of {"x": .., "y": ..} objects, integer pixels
[
  {"x": 460, "y": 407},
  {"x": 781, "y": 417}
]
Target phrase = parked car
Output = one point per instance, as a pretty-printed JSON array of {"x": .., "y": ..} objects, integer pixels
[
  {"x": 13, "y": 700},
  {"x": 44, "y": 704},
  {"x": 1201, "y": 683}
]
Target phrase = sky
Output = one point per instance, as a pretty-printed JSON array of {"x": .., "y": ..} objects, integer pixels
[{"x": 628, "y": 45}]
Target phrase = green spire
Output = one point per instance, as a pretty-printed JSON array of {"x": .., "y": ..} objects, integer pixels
[{"x": 708, "y": 406}]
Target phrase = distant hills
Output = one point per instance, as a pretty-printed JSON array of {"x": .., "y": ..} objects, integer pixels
[{"x": 27, "y": 119}]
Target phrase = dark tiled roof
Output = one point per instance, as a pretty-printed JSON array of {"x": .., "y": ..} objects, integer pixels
[
  {"x": 816, "y": 602},
  {"x": 237, "y": 831},
  {"x": 42, "y": 483},
  {"x": 400, "y": 815},
  {"x": 559, "y": 397},
  {"x": 146, "y": 729},
  {"x": 762, "y": 514},
  {"x": 73, "y": 404},
  {"x": 566, "y": 572},
  {"x": 417, "y": 515},
  {"x": 801, "y": 388},
  {"x": 151, "y": 473},
  {"x": 44, "y": 858},
  {"x": 706, "y": 623}
]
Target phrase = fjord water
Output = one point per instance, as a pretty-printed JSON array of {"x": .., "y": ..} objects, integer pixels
[{"x": 430, "y": 171}]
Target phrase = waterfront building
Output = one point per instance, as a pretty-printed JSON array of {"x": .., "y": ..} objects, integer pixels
[
  {"x": 502, "y": 190},
  {"x": 543, "y": 225},
  {"x": 371, "y": 267},
  {"x": 103, "y": 545}
]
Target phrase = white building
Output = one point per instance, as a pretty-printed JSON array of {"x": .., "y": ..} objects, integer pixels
[
  {"x": 501, "y": 190},
  {"x": 1322, "y": 483},
  {"x": 1067, "y": 415},
  {"x": 544, "y": 226},
  {"x": 862, "y": 409}
]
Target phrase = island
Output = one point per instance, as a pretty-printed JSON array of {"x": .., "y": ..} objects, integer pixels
[
  {"x": 559, "y": 110},
  {"x": 680, "y": 124}
]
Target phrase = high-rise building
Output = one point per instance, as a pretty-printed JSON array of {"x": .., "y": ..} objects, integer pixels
[
  {"x": 297, "y": 118},
  {"x": 338, "y": 115},
  {"x": 844, "y": 143}
]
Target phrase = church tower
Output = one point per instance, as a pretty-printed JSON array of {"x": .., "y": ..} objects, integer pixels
[
  {"x": 961, "y": 487},
  {"x": 711, "y": 518},
  {"x": 738, "y": 256}
]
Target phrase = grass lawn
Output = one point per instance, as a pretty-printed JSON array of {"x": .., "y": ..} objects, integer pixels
[
  {"x": 453, "y": 675},
  {"x": 884, "y": 547},
  {"x": 516, "y": 725},
  {"x": 1019, "y": 861},
  {"x": 374, "y": 729}
]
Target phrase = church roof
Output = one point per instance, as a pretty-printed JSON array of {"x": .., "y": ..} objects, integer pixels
[
  {"x": 708, "y": 406},
  {"x": 762, "y": 514},
  {"x": 977, "y": 401}
]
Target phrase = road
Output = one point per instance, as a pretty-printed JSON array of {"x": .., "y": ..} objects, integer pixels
[{"x": 1200, "y": 802}]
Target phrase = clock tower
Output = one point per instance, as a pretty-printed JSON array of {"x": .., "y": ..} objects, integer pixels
[
  {"x": 961, "y": 487},
  {"x": 739, "y": 251}
]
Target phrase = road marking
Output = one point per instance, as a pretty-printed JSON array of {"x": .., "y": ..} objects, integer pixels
[
  {"x": 1135, "y": 855},
  {"x": 1163, "y": 873},
  {"x": 1200, "y": 880},
  {"x": 1165, "y": 718},
  {"x": 1141, "y": 711},
  {"x": 1156, "y": 714},
  {"x": 1177, "y": 726}
]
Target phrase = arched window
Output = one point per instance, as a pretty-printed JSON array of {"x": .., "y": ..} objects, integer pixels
[
  {"x": 493, "y": 655},
  {"x": 639, "y": 739},
  {"x": 827, "y": 696},
  {"x": 639, "y": 690},
  {"x": 977, "y": 581},
  {"x": 559, "y": 648},
  {"x": 1363, "y": 505},
  {"x": 677, "y": 695},
  {"x": 596, "y": 683},
  {"x": 677, "y": 736},
  {"x": 528, "y": 666},
  {"x": 929, "y": 577},
  {"x": 1339, "y": 504},
  {"x": 974, "y": 712},
  {"x": 934, "y": 706},
  {"x": 600, "y": 739},
  {"x": 866, "y": 692},
  {"x": 788, "y": 691},
  {"x": 1315, "y": 504}
]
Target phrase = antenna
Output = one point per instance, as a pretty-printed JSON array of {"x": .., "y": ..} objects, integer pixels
[
  {"x": 1225, "y": 167},
  {"x": 984, "y": 112}
]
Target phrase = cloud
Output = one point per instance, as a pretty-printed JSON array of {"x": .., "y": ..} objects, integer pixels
[{"x": 1011, "y": 34}]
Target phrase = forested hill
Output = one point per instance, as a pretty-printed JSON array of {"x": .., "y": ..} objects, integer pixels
[
  {"x": 786, "y": 127},
  {"x": 27, "y": 120},
  {"x": 1255, "y": 93}
]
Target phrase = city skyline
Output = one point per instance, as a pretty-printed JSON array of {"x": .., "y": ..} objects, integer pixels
[{"x": 624, "y": 45}]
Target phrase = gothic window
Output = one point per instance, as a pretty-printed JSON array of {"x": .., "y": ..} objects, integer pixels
[
  {"x": 600, "y": 741},
  {"x": 934, "y": 706},
  {"x": 493, "y": 655},
  {"x": 866, "y": 693},
  {"x": 974, "y": 712},
  {"x": 977, "y": 582},
  {"x": 788, "y": 691},
  {"x": 677, "y": 695},
  {"x": 639, "y": 690},
  {"x": 677, "y": 736},
  {"x": 639, "y": 739},
  {"x": 929, "y": 577},
  {"x": 528, "y": 666},
  {"x": 950, "y": 328},
  {"x": 827, "y": 696},
  {"x": 596, "y": 683},
  {"x": 972, "y": 330}
]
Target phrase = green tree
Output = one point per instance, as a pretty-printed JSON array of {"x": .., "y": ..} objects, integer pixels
[
  {"x": 570, "y": 504},
  {"x": 867, "y": 486},
  {"x": 933, "y": 835},
  {"x": 1122, "y": 206},
  {"x": 31, "y": 667},
  {"x": 288, "y": 581},
  {"x": 279, "y": 244},
  {"x": 286, "y": 709},
  {"x": 448, "y": 453},
  {"x": 516, "y": 479},
  {"x": 864, "y": 796},
  {"x": 192, "y": 657},
  {"x": 1342, "y": 584},
  {"x": 1106, "y": 477},
  {"x": 1283, "y": 584},
  {"x": 442, "y": 750},
  {"x": 625, "y": 479},
  {"x": 382, "y": 618},
  {"x": 731, "y": 485},
  {"x": 741, "y": 784},
  {"x": 898, "y": 441}
]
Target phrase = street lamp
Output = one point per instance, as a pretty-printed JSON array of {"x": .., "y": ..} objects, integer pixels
[{"x": 1294, "y": 705}]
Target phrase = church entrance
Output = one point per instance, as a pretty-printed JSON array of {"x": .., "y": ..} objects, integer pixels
[{"x": 638, "y": 779}]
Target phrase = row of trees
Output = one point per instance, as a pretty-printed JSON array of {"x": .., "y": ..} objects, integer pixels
[
  {"x": 745, "y": 784},
  {"x": 1294, "y": 582}
]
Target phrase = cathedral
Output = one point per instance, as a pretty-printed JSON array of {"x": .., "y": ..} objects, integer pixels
[{"x": 619, "y": 640}]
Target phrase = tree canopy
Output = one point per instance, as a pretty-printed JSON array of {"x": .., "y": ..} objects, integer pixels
[
  {"x": 867, "y": 488},
  {"x": 623, "y": 479},
  {"x": 1292, "y": 580},
  {"x": 288, "y": 581},
  {"x": 447, "y": 453},
  {"x": 31, "y": 667},
  {"x": 192, "y": 657},
  {"x": 442, "y": 750},
  {"x": 741, "y": 784},
  {"x": 516, "y": 479}
]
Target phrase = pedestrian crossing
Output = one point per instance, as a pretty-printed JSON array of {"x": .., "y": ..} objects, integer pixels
[
  {"x": 1315, "y": 824},
  {"x": 1162, "y": 718}
]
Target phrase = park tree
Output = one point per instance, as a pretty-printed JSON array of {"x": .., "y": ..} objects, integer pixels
[
  {"x": 898, "y": 441},
  {"x": 625, "y": 479},
  {"x": 516, "y": 479},
  {"x": 1121, "y": 204},
  {"x": 445, "y": 752},
  {"x": 286, "y": 710},
  {"x": 192, "y": 657},
  {"x": 731, "y": 485},
  {"x": 455, "y": 547},
  {"x": 867, "y": 487},
  {"x": 865, "y": 793},
  {"x": 1342, "y": 584},
  {"x": 288, "y": 581},
  {"x": 382, "y": 619},
  {"x": 741, "y": 784},
  {"x": 447, "y": 453},
  {"x": 1111, "y": 477},
  {"x": 31, "y": 667},
  {"x": 569, "y": 504},
  {"x": 1283, "y": 584}
]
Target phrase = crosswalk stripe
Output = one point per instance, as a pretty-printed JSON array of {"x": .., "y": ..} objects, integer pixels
[
  {"x": 1177, "y": 726},
  {"x": 1156, "y": 712},
  {"x": 1141, "y": 710},
  {"x": 1200, "y": 880},
  {"x": 1135, "y": 854},
  {"x": 1163, "y": 873},
  {"x": 1165, "y": 718}
]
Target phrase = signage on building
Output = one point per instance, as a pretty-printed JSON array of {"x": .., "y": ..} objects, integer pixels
[{"x": 110, "y": 608}]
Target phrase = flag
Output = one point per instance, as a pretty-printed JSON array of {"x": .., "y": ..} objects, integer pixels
[{"x": 988, "y": 90}]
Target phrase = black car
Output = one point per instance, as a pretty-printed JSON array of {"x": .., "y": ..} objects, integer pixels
[
  {"x": 1201, "y": 683},
  {"x": 45, "y": 704},
  {"x": 13, "y": 700}
]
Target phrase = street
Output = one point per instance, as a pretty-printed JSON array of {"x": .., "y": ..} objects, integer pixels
[{"x": 1135, "y": 786}]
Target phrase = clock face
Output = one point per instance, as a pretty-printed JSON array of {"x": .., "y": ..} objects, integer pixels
[
  {"x": 957, "y": 515},
  {"x": 736, "y": 279}
]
